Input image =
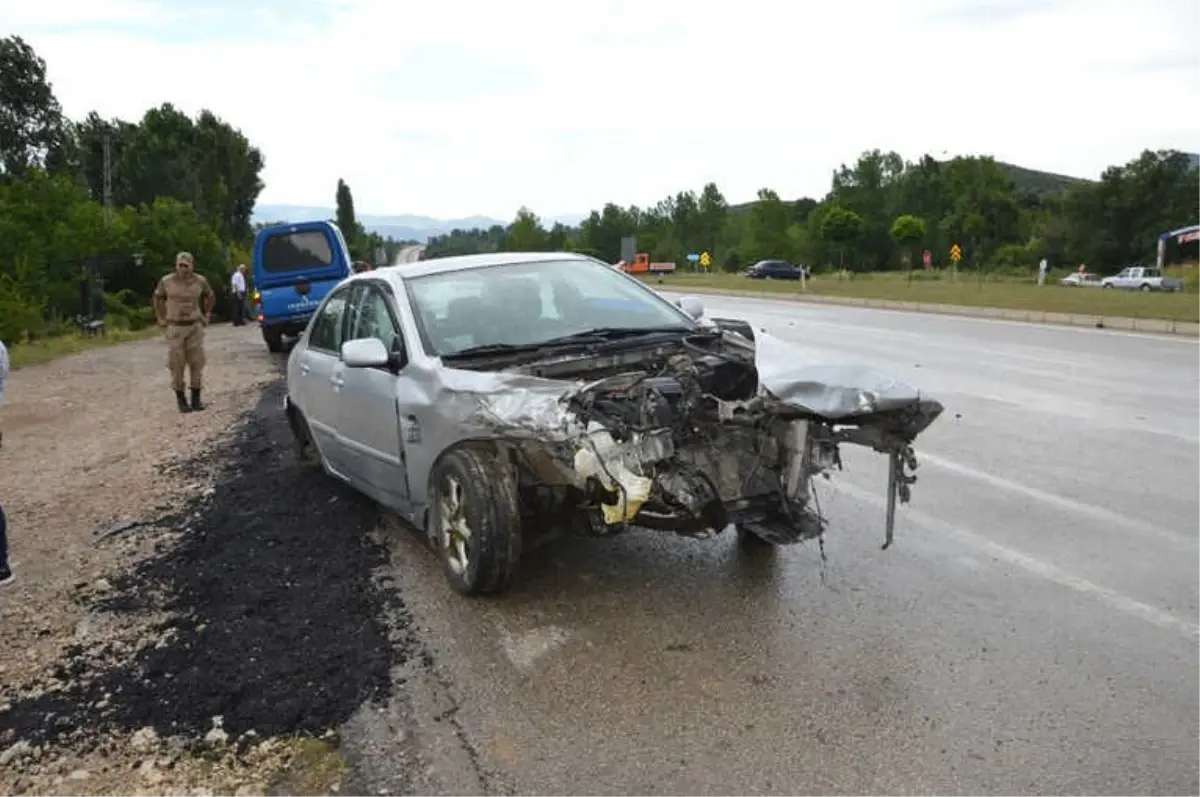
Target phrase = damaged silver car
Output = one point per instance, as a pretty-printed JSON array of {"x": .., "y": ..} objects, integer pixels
[{"x": 498, "y": 400}]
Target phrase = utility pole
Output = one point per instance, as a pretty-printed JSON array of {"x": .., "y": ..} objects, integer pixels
[
  {"x": 94, "y": 306},
  {"x": 107, "y": 179}
]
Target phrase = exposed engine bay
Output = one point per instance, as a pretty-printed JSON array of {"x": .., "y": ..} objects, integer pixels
[{"x": 686, "y": 436}]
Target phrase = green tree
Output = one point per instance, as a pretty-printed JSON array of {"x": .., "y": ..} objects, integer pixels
[
  {"x": 713, "y": 212},
  {"x": 345, "y": 210},
  {"x": 908, "y": 232},
  {"x": 841, "y": 227},
  {"x": 766, "y": 234},
  {"x": 1002, "y": 217},
  {"x": 526, "y": 233},
  {"x": 32, "y": 130}
]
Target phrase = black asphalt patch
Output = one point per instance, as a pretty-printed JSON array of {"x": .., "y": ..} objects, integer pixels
[{"x": 276, "y": 623}]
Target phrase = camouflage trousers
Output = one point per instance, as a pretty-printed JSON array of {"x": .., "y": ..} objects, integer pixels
[{"x": 185, "y": 349}]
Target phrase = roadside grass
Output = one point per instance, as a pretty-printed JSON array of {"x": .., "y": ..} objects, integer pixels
[
  {"x": 44, "y": 350},
  {"x": 1014, "y": 293},
  {"x": 316, "y": 768}
]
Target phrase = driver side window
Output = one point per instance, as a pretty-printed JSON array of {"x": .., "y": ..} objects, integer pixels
[{"x": 371, "y": 317}]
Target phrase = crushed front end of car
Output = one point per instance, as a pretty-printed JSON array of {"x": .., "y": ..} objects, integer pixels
[{"x": 688, "y": 435}]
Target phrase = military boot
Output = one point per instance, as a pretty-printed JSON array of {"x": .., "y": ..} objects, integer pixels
[
  {"x": 196, "y": 403},
  {"x": 181, "y": 400}
]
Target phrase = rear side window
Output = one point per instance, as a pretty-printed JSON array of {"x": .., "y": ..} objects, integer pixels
[{"x": 297, "y": 251}]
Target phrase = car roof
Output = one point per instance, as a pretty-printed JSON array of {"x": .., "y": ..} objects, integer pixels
[{"x": 441, "y": 265}]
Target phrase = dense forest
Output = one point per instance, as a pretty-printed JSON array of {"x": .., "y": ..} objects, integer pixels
[
  {"x": 175, "y": 183},
  {"x": 882, "y": 212}
]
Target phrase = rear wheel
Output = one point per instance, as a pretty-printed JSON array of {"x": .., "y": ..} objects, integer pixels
[
  {"x": 475, "y": 520},
  {"x": 273, "y": 338},
  {"x": 302, "y": 443},
  {"x": 1145, "y": 287}
]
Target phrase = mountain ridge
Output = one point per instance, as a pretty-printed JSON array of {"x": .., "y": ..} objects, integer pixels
[{"x": 399, "y": 227}]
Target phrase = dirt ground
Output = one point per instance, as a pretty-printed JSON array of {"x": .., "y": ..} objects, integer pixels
[
  {"x": 90, "y": 440},
  {"x": 215, "y": 646}
]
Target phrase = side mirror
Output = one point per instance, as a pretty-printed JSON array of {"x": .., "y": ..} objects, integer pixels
[
  {"x": 365, "y": 353},
  {"x": 692, "y": 306}
]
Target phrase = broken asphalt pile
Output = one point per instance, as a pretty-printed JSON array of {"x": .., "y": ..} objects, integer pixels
[{"x": 273, "y": 622}]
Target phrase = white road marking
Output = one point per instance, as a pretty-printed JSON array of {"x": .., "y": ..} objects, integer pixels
[
  {"x": 525, "y": 648},
  {"x": 1098, "y": 513},
  {"x": 1035, "y": 566}
]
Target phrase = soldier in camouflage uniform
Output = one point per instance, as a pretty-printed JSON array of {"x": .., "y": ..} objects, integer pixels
[{"x": 178, "y": 304}]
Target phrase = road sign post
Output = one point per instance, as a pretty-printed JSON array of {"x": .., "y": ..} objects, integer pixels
[
  {"x": 955, "y": 256},
  {"x": 629, "y": 248},
  {"x": 705, "y": 260}
]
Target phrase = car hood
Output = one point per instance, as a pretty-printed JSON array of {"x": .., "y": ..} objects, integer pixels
[{"x": 493, "y": 401}]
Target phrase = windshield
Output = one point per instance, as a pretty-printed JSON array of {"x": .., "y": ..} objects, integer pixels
[{"x": 529, "y": 303}]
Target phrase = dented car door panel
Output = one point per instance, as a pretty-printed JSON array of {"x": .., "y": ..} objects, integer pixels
[{"x": 367, "y": 408}]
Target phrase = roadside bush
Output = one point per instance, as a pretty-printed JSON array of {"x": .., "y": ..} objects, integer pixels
[
  {"x": 20, "y": 315},
  {"x": 125, "y": 312}
]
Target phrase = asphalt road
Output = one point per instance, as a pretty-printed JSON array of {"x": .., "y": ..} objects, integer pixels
[
  {"x": 1033, "y": 629},
  {"x": 409, "y": 254}
]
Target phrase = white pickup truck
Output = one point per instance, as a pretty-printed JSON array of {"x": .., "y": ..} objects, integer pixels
[{"x": 1139, "y": 278}]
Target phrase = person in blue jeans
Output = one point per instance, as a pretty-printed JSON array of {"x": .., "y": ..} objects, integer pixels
[{"x": 6, "y": 575}]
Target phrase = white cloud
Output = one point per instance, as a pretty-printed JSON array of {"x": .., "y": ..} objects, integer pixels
[
  {"x": 631, "y": 102},
  {"x": 18, "y": 16}
]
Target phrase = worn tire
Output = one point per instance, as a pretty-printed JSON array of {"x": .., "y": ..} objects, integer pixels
[
  {"x": 274, "y": 340},
  {"x": 751, "y": 544},
  {"x": 488, "y": 497},
  {"x": 303, "y": 446}
]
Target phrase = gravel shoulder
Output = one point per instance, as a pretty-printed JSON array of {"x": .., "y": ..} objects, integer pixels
[
  {"x": 241, "y": 636},
  {"x": 91, "y": 440}
]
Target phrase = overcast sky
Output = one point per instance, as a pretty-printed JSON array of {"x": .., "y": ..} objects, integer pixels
[{"x": 456, "y": 107}]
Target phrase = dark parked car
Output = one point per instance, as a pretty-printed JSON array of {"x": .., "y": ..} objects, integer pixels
[{"x": 773, "y": 269}]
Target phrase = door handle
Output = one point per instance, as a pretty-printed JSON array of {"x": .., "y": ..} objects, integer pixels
[
  {"x": 304, "y": 368},
  {"x": 338, "y": 381}
]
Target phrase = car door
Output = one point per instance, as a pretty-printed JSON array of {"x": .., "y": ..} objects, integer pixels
[
  {"x": 368, "y": 421},
  {"x": 318, "y": 365}
]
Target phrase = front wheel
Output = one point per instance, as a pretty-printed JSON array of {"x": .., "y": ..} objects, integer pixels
[
  {"x": 475, "y": 520},
  {"x": 751, "y": 544}
]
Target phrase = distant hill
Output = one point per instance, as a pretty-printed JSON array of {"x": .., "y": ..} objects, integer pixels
[
  {"x": 1039, "y": 182},
  {"x": 398, "y": 228},
  {"x": 1047, "y": 183}
]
